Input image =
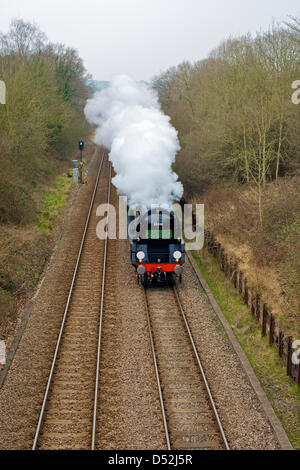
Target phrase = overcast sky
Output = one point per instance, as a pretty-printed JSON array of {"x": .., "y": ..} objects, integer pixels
[{"x": 143, "y": 37}]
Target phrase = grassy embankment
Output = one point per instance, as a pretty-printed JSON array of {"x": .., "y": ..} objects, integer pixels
[
  {"x": 281, "y": 390},
  {"x": 269, "y": 255}
]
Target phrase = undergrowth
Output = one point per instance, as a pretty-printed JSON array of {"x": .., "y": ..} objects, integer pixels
[{"x": 53, "y": 203}]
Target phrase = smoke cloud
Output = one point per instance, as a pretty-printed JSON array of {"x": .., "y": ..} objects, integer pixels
[{"x": 141, "y": 140}]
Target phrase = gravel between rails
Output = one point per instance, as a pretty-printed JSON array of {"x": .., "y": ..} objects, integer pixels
[
  {"x": 245, "y": 423},
  {"x": 129, "y": 413},
  {"x": 191, "y": 421}
]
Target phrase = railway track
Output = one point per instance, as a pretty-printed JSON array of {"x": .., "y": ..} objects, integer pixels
[
  {"x": 190, "y": 416},
  {"x": 68, "y": 416}
]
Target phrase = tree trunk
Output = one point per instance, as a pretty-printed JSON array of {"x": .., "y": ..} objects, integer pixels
[
  {"x": 245, "y": 157},
  {"x": 264, "y": 159},
  {"x": 279, "y": 147},
  {"x": 260, "y": 204}
]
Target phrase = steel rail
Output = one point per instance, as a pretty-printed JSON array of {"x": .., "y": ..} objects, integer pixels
[
  {"x": 157, "y": 373},
  {"x": 37, "y": 432},
  {"x": 201, "y": 369},
  {"x": 94, "y": 423}
]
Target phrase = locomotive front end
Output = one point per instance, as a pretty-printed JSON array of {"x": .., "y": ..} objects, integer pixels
[{"x": 158, "y": 250}]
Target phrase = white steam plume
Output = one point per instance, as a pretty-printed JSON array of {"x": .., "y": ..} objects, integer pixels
[{"x": 141, "y": 140}]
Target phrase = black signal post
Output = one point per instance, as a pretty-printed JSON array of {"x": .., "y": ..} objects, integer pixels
[{"x": 81, "y": 147}]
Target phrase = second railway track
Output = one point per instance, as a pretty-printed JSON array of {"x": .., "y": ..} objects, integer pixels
[
  {"x": 190, "y": 416},
  {"x": 68, "y": 413}
]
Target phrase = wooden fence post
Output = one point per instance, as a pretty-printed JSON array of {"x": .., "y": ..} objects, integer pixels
[
  {"x": 289, "y": 356},
  {"x": 257, "y": 307},
  {"x": 222, "y": 258},
  {"x": 235, "y": 275},
  {"x": 226, "y": 267},
  {"x": 252, "y": 303},
  {"x": 241, "y": 282},
  {"x": 280, "y": 345},
  {"x": 246, "y": 294},
  {"x": 219, "y": 254},
  {"x": 264, "y": 320},
  {"x": 271, "y": 329}
]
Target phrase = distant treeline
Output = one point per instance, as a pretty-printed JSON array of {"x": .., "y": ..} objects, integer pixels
[
  {"x": 234, "y": 111},
  {"x": 43, "y": 116}
]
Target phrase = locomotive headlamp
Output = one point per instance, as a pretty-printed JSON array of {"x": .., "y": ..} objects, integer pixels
[
  {"x": 140, "y": 255},
  {"x": 177, "y": 254}
]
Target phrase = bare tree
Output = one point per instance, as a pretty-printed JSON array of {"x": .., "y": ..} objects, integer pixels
[{"x": 23, "y": 39}]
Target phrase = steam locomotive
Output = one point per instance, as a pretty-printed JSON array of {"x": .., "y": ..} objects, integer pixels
[{"x": 157, "y": 248}]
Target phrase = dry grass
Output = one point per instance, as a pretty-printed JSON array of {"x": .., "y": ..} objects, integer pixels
[{"x": 269, "y": 255}]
